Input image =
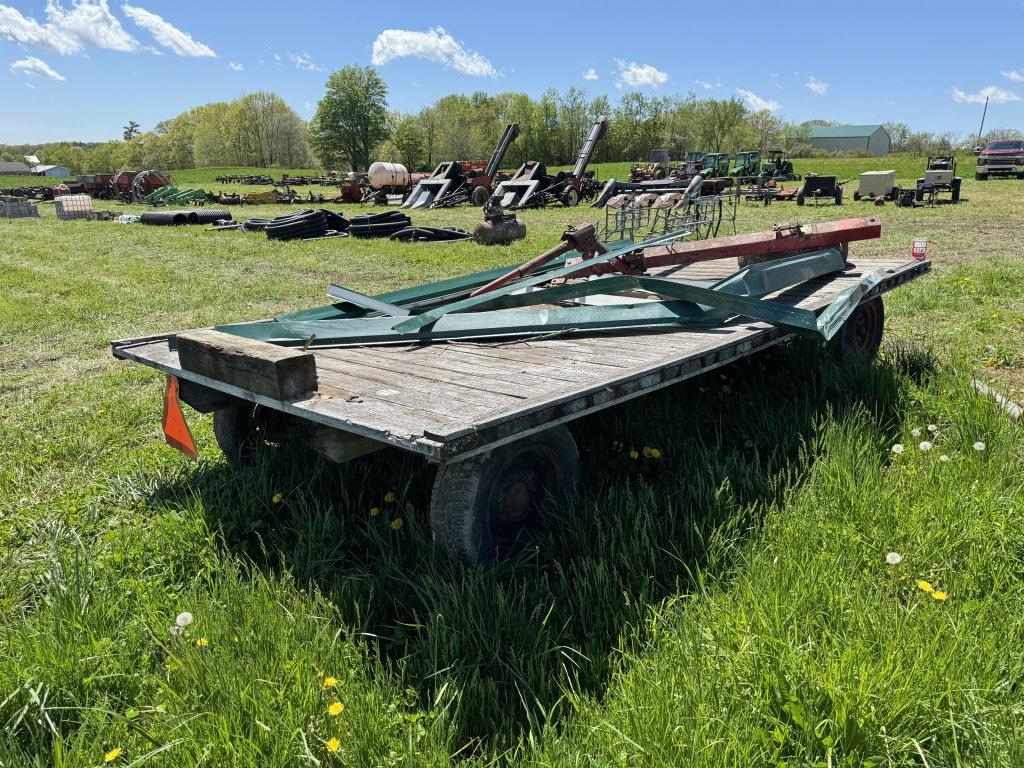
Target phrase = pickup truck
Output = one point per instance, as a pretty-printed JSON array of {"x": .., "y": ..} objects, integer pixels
[{"x": 1001, "y": 158}]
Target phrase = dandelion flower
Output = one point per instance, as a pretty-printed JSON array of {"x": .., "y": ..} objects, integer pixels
[
  {"x": 634, "y": 455},
  {"x": 277, "y": 498},
  {"x": 374, "y": 511},
  {"x": 333, "y": 745},
  {"x": 916, "y": 431},
  {"x": 925, "y": 445},
  {"x": 330, "y": 682},
  {"x": 943, "y": 457},
  {"x": 183, "y": 619},
  {"x": 898, "y": 448},
  {"x": 112, "y": 755},
  {"x": 176, "y": 630},
  {"x": 397, "y": 523},
  {"x": 925, "y": 586},
  {"x": 932, "y": 428},
  {"x": 389, "y": 496},
  {"x": 335, "y": 709},
  {"x": 938, "y": 594},
  {"x": 655, "y": 453},
  {"x": 979, "y": 446},
  {"x": 893, "y": 558},
  {"x": 202, "y": 642}
]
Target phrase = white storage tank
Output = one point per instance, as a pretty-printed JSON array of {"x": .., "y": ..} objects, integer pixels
[
  {"x": 875, "y": 184},
  {"x": 388, "y": 176}
]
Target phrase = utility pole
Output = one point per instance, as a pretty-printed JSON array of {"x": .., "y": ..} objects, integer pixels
[{"x": 982, "y": 126}]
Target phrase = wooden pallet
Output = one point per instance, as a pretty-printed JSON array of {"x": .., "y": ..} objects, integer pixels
[{"x": 449, "y": 401}]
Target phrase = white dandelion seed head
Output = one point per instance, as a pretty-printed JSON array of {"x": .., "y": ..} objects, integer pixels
[
  {"x": 932, "y": 428},
  {"x": 893, "y": 558},
  {"x": 925, "y": 445},
  {"x": 898, "y": 448},
  {"x": 943, "y": 457},
  {"x": 184, "y": 619},
  {"x": 916, "y": 431},
  {"x": 176, "y": 630},
  {"x": 979, "y": 446}
]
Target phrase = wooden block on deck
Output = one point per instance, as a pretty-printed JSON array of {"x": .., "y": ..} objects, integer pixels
[{"x": 255, "y": 366}]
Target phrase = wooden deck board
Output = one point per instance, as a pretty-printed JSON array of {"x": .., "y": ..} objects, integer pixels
[{"x": 454, "y": 399}]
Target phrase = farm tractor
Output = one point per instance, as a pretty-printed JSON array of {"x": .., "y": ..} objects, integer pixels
[
  {"x": 748, "y": 165},
  {"x": 940, "y": 177},
  {"x": 779, "y": 167},
  {"x": 656, "y": 167},
  {"x": 462, "y": 181},
  {"x": 716, "y": 165},
  {"x": 531, "y": 186}
]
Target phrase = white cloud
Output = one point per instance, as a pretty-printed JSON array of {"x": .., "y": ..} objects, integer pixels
[
  {"x": 590, "y": 74},
  {"x": 29, "y": 85},
  {"x": 151, "y": 49},
  {"x": 779, "y": 86},
  {"x": 636, "y": 75},
  {"x": 309, "y": 106},
  {"x": 302, "y": 61},
  {"x": 34, "y": 67},
  {"x": 166, "y": 34},
  {"x": 277, "y": 57},
  {"x": 1012, "y": 74},
  {"x": 755, "y": 102},
  {"x": 814, "y": 85},
  {"x": 235, "y": 66},
  {"x": 993, "y": 93},
  {"x": 706, "y": 85},
  {"x": 91, "y": 23},
  {"x": 68, "y": 31},
  {"x": 436, "y": 45}
]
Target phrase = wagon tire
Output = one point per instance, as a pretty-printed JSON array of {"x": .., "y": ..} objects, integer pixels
[
  {"x": 238, "y": 434},
  {"x": 571, "y": 197},
  {"x": 800, "y": 196},
  {"x": 856, "y": 195},
  {"x": 484, "y": 508},
  {"x": 479, "y": 196},
  {"x": 861, "y": 334}
]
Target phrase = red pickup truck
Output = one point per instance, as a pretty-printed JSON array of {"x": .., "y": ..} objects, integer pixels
[{"x": 1001, "y": 158}]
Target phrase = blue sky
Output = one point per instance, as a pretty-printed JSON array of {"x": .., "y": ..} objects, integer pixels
[{"x": 80, "y": 69}]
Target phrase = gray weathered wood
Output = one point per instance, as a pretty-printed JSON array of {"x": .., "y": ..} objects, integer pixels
[{"x": 265, "y": 369}]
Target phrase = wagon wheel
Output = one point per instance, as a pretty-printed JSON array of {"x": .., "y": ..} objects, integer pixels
[
  {"x": 571, "y": 197},
  {"x": 479, "y": 196},
  {"x": 861, "y": 334},
  {"x": 486, "y": 507},
  {"x": 240, "y": 431}
]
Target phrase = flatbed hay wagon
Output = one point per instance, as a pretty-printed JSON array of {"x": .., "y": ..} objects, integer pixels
[{"x": 480, "y": 374}]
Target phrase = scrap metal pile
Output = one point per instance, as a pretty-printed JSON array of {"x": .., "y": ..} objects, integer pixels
[{"x": 583, "y": 284}]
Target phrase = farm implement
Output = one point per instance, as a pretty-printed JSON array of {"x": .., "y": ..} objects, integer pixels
[
  {"x": 171, "y": 195},
  {"x": 531, "y": 186},
  {"x": 601, "y": 323},
  {"x": 458, "y": 182}
]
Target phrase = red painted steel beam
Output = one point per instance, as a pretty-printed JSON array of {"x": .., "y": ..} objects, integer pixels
[{"x": 780, "y": 240}]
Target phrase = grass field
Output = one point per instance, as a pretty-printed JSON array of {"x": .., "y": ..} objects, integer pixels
[{"x": 728, "y": 604}]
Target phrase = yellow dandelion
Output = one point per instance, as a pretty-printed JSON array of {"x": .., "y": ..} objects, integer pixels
[
  {"x": 277, "y": 498},
  {"x": 389, "y": 496},
  {"x": 330, "y": 682},
  {"x": 655, "y": 453},
  {"x": 647, "y": 451},
  {"x": 938, "y": 594},
  {"x": 101, "y": 410},
  {"x": 333, "y": 745},
  {"x": 374, "y": 511},
  {"x": 202, "y": 642},
  {"x": 397, "y": 523},
  {"x": 924, "y": 585},
  {"x": 335, "y": 709},
  {"x": 634, "y": 455},
  {"x": 112, "y": 755}
]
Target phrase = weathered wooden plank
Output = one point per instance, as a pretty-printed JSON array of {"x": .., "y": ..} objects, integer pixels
[{"x": 265, "y": 369}]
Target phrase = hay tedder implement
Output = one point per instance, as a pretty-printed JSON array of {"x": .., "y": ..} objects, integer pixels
[
  {"x": 533, "y": 187},
  {"x": 462, "y": 181}
]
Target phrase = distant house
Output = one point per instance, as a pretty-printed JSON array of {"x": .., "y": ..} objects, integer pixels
[
  {"x": 57, "y": 171},
  {"x": 14, "y": 169},
  {"x": 873, "y": 139}
]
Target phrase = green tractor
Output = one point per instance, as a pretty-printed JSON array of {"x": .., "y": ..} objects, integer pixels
[
  {"x": 748, "y": 165},
  {"x": 716, "y": 165},
  {"x": 779, "y": 167}
]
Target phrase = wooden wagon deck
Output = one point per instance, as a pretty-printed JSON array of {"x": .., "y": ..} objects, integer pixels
[{"x": 448, "y": 401}]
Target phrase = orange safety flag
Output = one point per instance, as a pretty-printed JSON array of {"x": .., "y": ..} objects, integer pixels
[{"x": 176, "y": 429}]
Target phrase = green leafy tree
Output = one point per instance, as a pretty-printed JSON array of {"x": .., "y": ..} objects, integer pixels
[
  {"x": 410, "y": 143},
  {"x": 351, "y": 118},
  {"x": 130, "y": 130}
]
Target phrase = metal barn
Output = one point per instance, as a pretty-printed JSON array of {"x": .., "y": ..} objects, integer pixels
[{"x": 873, "y": 139}]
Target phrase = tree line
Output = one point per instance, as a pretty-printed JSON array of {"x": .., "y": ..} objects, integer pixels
[{"x": 353, "y": 126}]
